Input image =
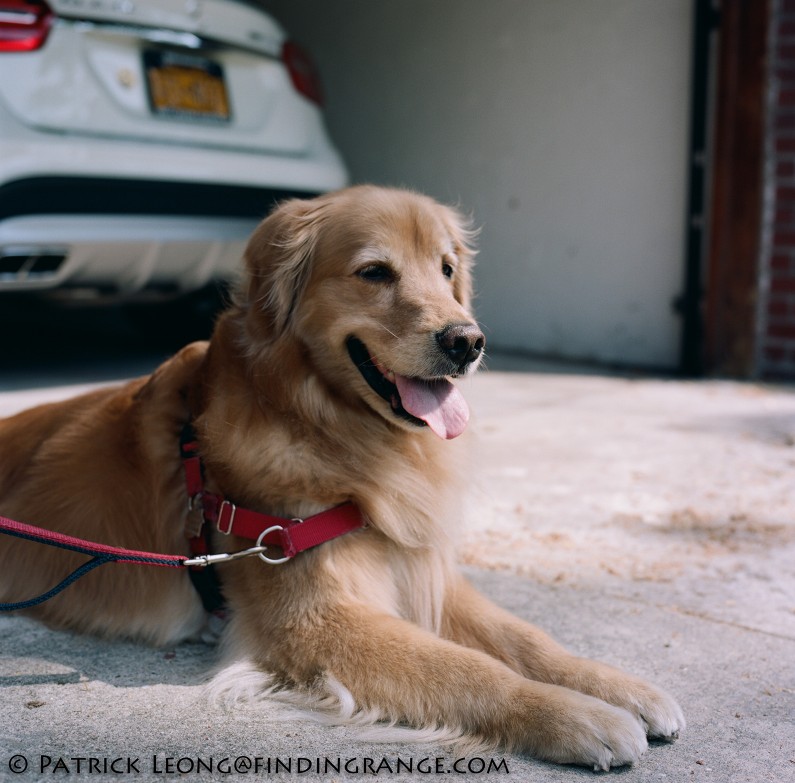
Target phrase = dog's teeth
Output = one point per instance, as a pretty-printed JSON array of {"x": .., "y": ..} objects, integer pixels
[{"x": 388, "y": 374}]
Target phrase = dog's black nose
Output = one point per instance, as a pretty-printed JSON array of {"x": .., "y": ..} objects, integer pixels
[{"x": 463, "y": 343}]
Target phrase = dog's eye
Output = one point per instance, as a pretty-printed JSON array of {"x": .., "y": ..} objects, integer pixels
[
  {"x": 377, "y": 273},
  {"x": 447, "y": 270}
]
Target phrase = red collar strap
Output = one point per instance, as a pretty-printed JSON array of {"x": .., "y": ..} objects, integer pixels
[{"x": 292, "y": 535}]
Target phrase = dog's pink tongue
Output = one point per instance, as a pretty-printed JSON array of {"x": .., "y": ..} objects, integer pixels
[{"x": 438, "y": 403}]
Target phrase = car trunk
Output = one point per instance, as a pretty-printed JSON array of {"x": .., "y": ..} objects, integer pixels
[{"x": 197, "y": 72}]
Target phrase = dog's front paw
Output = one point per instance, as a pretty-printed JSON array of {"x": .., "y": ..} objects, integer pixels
[
  {"x": 579, "y": 729},
  {"x": 657, "y": 711},
  {"x": 611, "y": 737}
]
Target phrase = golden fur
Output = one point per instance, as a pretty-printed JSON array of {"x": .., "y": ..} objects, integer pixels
[{"x": 377, "y": 623}]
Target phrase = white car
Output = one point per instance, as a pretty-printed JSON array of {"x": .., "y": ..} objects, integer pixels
[{"x": 142, "y": 140}]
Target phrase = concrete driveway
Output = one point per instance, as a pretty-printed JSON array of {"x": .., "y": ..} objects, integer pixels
[{"x": 646, "y": 522}]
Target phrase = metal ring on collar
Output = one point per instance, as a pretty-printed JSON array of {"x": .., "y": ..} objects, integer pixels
[{"x": 261, "y": 556}]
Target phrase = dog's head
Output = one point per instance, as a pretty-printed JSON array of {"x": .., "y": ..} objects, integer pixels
[{"x": 375, "y": 284}]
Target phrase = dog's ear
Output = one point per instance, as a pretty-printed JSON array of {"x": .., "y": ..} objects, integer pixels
[
  {"x": 463, "y": 236},
  {"x": 277, "y": 261}
]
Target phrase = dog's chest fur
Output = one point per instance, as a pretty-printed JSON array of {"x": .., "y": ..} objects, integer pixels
[{"x": 291, "y": 467}]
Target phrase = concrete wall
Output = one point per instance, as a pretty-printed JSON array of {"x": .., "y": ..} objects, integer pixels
[{"x": 561, "y": 125}]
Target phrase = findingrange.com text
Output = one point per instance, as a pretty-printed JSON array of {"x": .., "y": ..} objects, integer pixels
[{"x": 252, "y": 765}]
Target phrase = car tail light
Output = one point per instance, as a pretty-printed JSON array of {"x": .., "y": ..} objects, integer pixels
[
  {"x": 24, "y": 25},
  {"x": 302, "y": 71}
]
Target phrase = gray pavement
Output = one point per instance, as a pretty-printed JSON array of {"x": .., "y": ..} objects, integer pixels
[{"x": 645, "y": 522}]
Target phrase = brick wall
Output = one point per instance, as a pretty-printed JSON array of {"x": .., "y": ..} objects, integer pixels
[{"x": 776, "y": 344}]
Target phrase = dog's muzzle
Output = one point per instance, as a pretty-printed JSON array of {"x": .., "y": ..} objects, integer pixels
[{"x": 432, "y": 401}]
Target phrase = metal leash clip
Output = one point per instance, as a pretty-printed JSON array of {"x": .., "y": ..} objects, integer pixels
[{"x": 208, "y": 560}]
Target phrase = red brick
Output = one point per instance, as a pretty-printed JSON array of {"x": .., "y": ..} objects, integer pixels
[
  {"x": 779, "y": 309},
  {"x": 782, "y": 285},
  {"x": 785, "y": 216},
  {"x": 780, "y": 270},
  {"x": 785, "y": 169},
  {"x": 786, "y": 97},
  {"x": 786, "y": 52},
  {"x": 785, "y": 194},
  {"x": 781, "y": 262},
  {"x": 784, "y": 78},
  {"x": 782, "y": 238},
  {"x": 784, "y": 331},
  {"x": 785, "y": 143},
  {"x": 784, "y": 121},
  {"x": 783, "y": 74}
]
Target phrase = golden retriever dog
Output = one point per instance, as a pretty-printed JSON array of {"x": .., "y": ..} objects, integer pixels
[{"x": 328, "y": 381}]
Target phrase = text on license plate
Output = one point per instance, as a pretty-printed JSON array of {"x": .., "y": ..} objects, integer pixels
[{"x": 185, "y": 85}]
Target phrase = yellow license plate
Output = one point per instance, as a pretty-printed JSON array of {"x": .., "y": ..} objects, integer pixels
[{"x": 184, "y": 85}]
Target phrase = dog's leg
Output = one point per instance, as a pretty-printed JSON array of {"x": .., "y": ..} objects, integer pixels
[
  {"x": 474, "y": 621},
  {"x": 403, "y": 673}
]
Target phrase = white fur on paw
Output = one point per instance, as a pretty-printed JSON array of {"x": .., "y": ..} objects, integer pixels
[
  {"x": 662, "y": 717},
  {"x": 659, "y": 713},
  {"x": 618, "y": 740},
  {"x": 593, "y": 733}
]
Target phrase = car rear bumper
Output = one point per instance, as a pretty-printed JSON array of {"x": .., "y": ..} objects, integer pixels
[
  {"x": 124, "y": 237},
  {"x": 118, "y": 254}
]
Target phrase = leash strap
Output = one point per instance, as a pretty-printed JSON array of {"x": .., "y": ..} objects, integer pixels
[
  {"x": 101, "y": 554},
  {"x": 73, "y": 577},
  {"x": 113, "y": 553}
]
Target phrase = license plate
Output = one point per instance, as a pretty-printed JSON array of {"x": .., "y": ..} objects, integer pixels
[{"x": 185, "y": 85}]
